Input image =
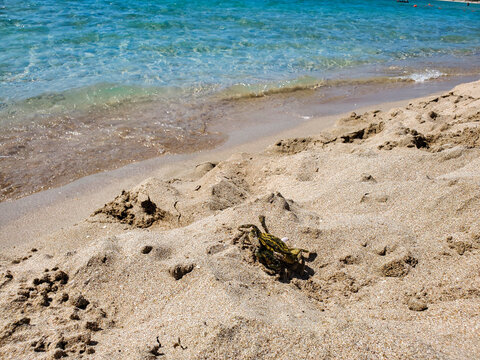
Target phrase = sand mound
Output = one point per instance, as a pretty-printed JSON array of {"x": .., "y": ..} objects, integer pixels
[
  {"x": 128, "y": 208},
  {"x": 436, "y": 124}
]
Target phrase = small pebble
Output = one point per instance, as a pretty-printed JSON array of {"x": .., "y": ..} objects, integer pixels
[{"x": 415, "y": 304}]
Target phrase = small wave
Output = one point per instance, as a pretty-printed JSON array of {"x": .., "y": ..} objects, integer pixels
[
  {"x": 246, "y": 90},
  {"x": 423, "y": 76}
]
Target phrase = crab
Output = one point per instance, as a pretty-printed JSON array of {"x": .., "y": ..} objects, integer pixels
[{"x": 271, "y": 251}]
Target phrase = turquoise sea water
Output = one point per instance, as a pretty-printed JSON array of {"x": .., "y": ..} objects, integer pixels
[
  {"x": 90, "y": 85},
  {"x": 202, "y": 45}
]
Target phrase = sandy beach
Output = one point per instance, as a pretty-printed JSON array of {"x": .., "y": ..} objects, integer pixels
[{"x": 385, "y": 202}]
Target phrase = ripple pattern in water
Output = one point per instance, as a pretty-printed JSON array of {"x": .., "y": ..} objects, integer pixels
[{"x": 56, "y": 45}]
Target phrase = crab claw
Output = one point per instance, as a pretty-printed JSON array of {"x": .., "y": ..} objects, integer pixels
[{"x": 296, "y": 251}]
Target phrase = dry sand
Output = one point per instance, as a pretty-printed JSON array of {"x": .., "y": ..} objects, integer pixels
[{"x": 388, "y": 200}]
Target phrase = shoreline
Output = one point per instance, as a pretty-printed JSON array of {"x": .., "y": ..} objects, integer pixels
[
  {"x": 54, "y": 154},
  {"x": 45, "y": 205}
]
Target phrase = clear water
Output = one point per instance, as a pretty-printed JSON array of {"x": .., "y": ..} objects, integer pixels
[
  {"x": 90, "y": 85},
  {"x": 197, "y": 45}
]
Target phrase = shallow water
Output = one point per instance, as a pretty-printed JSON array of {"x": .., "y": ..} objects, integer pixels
[{"x": 88, "y": 86}]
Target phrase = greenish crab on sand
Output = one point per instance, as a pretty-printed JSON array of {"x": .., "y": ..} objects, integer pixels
[{"x": 271, "y": 251}]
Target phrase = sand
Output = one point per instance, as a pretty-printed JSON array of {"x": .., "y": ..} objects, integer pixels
[{"x": 386, "y": 202}]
